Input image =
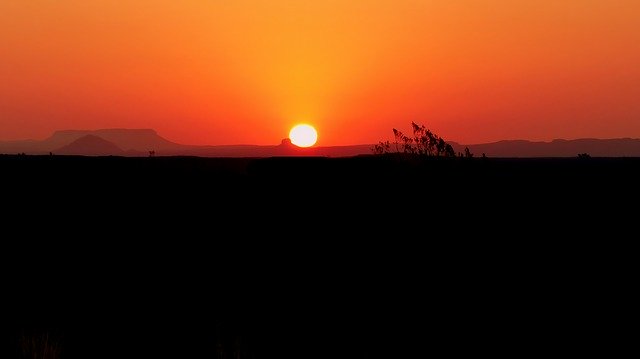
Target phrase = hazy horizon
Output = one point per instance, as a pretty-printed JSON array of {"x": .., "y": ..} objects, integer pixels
[{"x": 276, "y": 143}]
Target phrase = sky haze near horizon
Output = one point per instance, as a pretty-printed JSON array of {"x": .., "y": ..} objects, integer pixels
[{"x": 246, "y": 71}]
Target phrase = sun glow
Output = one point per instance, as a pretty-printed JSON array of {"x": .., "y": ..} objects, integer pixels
[{"x": 303, "y": 135}]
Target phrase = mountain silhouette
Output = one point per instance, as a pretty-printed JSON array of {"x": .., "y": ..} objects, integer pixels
[
  {"x": 90, "y": 145},
  {"x": 142, "y": 140},
  {"x": 139, "y": 142},
  {"x": 619, "y": 147},
  {"x": 134, "y": 142}
]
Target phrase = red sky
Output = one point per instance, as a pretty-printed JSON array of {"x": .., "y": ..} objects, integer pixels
[{"x": 246, "y": 71}]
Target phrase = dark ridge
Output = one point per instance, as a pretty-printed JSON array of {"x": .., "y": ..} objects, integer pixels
[{"x": 90, "y": 145}]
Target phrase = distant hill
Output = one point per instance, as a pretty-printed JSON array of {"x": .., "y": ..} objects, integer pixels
[
  {"x": 619, "y": 147},
  {"x": 139, "y": 142},
  {"x": 90, "y": 145},
  {"x": 134, "y": 142}
]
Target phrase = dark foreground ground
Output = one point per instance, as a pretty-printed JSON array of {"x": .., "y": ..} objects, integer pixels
[{"x": 365, "y": 257}]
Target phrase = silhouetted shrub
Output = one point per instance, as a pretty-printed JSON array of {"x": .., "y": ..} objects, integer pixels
[
  {"x": 423, "y": 143},
  {"x": 467, "y": 153}
]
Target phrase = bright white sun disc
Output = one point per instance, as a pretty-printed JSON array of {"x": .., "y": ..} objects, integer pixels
[{"x": 303, "y": 135}]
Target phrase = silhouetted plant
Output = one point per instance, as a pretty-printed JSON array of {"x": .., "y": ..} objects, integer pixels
[
  {"x": 468, "y": 153},
  {"x": 40, "y": 346},
  {"x": 424, "y": 143},
  {"x": 584, "y": 155},
  {"x": 382, "y": 147}
]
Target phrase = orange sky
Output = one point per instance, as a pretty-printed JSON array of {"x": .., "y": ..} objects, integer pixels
[{"x": 245, "y": 71}]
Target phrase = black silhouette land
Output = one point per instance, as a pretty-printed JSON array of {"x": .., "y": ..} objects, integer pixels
[{"x": 334, "y": 252}]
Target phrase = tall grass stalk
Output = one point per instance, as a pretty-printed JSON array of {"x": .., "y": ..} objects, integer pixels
[{"x": 40, "y": 346}]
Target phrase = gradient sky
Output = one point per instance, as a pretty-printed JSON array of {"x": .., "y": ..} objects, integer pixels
[{"x": 245, "y": 71}]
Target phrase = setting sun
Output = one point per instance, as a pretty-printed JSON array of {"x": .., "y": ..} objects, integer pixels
[{"x": 303, "y": 135}]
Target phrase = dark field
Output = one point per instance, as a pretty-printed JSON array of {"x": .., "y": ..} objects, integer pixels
[
  {"x": 363, "y": 257},
  {"x": 318, "y": 179},
  {"x": 322, "y": 191}
]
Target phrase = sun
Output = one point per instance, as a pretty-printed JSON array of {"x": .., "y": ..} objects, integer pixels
[{"x": 303, "y": 135}]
